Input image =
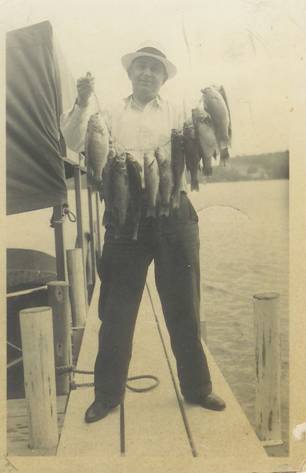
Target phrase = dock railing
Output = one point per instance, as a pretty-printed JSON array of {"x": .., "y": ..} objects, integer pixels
[{"x": 62, "y": 320}]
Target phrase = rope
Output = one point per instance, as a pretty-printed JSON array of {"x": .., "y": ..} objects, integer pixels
[
  {"x": 65, "y": 211},
  {"x": 60, "y": 370}
]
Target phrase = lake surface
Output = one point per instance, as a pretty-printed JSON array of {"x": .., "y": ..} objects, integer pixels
[
  {"x": 244, "y": 229},
  {"x": 244, "y": 251}
]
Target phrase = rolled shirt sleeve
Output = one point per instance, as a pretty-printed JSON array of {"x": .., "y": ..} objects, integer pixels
[{"x": 74, "y": 125}]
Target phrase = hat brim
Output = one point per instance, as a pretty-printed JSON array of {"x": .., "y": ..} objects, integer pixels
[{"x": 127, "y": 60}]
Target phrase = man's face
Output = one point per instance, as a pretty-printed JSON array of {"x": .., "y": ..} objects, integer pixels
[{"x": 147, "y": 76}]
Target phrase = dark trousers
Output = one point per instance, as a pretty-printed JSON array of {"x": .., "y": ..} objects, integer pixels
[{"x": 173, "y": 243}]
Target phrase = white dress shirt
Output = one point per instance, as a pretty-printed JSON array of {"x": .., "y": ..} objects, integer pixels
[{"x": 134, "y": 129}]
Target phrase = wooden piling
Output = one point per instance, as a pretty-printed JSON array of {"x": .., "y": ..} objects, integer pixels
[
  {"x": 77, "y": 337},
  {"x": 268, "y": 368},
  {"x": 58, "y": 299},
  {"x": 39, "y": 377},
  {"x": 77, "y": 286}
]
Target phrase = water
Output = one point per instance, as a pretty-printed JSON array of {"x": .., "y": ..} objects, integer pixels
[{"x": 244, "y": 250}]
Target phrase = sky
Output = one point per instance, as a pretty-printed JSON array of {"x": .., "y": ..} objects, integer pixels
[{"x": 252, "y": 47}]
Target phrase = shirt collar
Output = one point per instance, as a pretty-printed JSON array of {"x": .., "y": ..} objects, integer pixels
[{"x": 129, "y": 102}]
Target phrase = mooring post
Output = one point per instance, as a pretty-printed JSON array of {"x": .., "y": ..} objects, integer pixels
[
  {"x": 39, "y": 376},
  {"x": 77, "y": 295},
  {"x": 268, "y": 368},
  {"x": 58, "y": 300}
]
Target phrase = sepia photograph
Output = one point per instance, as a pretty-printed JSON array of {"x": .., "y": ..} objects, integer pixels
[{"x": 154, "y": 236}]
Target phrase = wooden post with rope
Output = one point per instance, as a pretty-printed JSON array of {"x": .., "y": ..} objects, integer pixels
[
  {"x": 77, "y": 296},
  {"x": 58, "y": 300},
  {"x": 39, "y": 377},
  {"x": 268, "y": 368}
]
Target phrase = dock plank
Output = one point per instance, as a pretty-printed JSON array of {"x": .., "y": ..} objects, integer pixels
[
  {"x": 79, "y": 438},
  {"x": 18, "y": 426},
  {"x": 214, "y": 432},
  {"x": 153, "y": 420}
]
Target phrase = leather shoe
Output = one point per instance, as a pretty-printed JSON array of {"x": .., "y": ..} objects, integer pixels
[
  {"x": 211, "y": 401},
  {"x": 97, "y": 410}
]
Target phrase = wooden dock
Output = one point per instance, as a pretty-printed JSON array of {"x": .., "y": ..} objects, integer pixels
[
  {"x": 155, "y": 430},
  {"x": 18, "y": 427}
]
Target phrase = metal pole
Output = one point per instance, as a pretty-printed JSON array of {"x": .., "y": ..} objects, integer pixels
[
  {"x": 268, "y": 368},
  {"x": 80, "y": 243},
  {"x": 78, "y": 206},
  {"x": 39, "y": 376},
  {"x": 92, "y": 233},
  {"x": 98, "y": 220},
  {"x": 59, "y": 242}
]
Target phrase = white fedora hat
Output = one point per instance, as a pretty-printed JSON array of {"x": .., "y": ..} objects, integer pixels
[{"x": 150, "y": 49}]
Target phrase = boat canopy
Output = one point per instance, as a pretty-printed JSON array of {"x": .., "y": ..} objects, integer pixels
[{"x": 38, "y": 86}]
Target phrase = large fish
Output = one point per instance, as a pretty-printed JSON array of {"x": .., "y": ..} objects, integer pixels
[
  {"x": 120, "y": 192},
  {"x": 165, "y": 181},
  {"x": 206, "y": 138},
  {"x": 177, "y": 165},
  {"x": 192, "y": 155},
  {"x": 216, "y": 105},
  {"x": 96, "y": 145},
  {"x": 106, "y": 190},
  {"x": 135, "y": 181},
  {"x": 151, "y": 177}
]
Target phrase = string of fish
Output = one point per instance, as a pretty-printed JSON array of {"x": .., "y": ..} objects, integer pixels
[{"x": 120, "y": 177}]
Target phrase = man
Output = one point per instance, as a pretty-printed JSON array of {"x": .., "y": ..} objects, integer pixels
[{"x": 143, "y": 122}]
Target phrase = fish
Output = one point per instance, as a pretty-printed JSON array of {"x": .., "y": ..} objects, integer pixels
[
  {"x": 206, "y": 138},
  {"x": 96, "y": 145},
  {"x": 134, "y": 170},
  {"x": 216, "y": 105},
  {"x": 165, "y": 181},
  {"x": 192, "y": 155},
  {"x": 120, "y": 192},
  {"x": 106, "y": 189},
  {"x": 177, "y": 165},
  {"x": 151, "y": 177}
]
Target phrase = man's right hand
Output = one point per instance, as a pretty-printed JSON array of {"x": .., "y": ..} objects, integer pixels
[{"x": 85, "y": 87}]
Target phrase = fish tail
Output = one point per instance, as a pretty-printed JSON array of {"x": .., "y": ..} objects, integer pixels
[
  {"x": 164, "y": 210},
  {"x": 151, "y": 212},
  {"x": 194, "y": 185},
  {"x": 135, "y": 234},
  {"x": 176, "y": 200},
  {"x": 207, "y": 170}
]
